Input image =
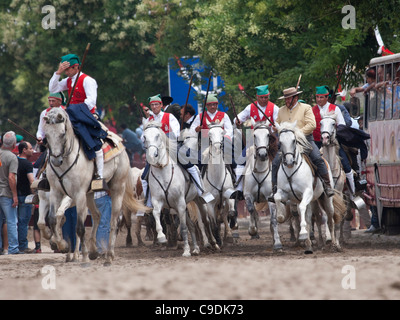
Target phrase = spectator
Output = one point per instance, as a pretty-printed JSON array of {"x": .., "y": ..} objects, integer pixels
[
  {"x": 103, "y": 203},
  {"x": 371, "y": 75},
  {"x": 8, "y": 190},
  {"x": 24, "y": 181},
  {"x": 131, "y": 141}
]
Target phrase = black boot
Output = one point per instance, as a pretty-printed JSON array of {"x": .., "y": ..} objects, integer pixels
[
  {"x": 274, "y": 190},
  {"x": 327, "y": 185}
]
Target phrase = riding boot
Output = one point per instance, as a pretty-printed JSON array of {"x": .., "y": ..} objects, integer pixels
[
  {"x": 204, "y": 195},
  {"x": 238, "y": 193},
  {"x": 327, "y": 185},
  {"x": 350, "y": 180},
  {"x": 99, "y": 184},
  {"x": 146, "y": 193},
  {"x": 274, "y": 190}
]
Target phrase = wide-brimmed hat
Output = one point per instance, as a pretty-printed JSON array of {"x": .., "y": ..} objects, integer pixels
[
  {"x": 166, "y": 100},
  {"x": 290, "y": 92}
]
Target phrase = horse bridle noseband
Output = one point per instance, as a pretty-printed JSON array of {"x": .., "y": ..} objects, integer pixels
[{"x": 294, "y": 153}]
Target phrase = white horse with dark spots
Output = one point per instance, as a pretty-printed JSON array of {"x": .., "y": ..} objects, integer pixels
[{"x": 70, "y": 174}]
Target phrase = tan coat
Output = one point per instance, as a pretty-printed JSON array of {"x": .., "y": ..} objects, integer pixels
[{"x": 302, "y": 113}]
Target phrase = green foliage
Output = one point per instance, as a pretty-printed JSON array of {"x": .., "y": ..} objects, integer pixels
[{"x": 250, "y": 42}]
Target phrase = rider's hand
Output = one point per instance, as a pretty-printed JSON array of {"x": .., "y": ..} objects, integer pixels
[
  {"x": 238, "y": 123},
  {"x": 198, "y": 128},
  {"x": 62, "y": 66}
]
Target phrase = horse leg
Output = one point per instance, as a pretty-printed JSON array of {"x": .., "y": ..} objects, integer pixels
[
  {"x": 128, "y": 223},
  {"x": 203, "y": 225},
  {"x": 59, "y": 220},
  {"x": 280, "y": 207},
  {"x": 82, "y": 212},
  {"x": 138, "y": 229},
  {"x": 227, "y": 230},
  {"x": 274, "y": 227},
  {"x": 308, "y": 219},
  {"x": 43, "y": 210},
  {"x": 93, "y": 253},
  {"x": 157, "y": 214},
  {"x": 192, "y": 230},
  {"x": 184, "y": 228},
  {"x": 253, "y": 230},
  {"x": 307, "y": 196}
]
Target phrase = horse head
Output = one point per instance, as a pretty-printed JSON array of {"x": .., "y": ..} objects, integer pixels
[
  {"x": 328, "y": 128},
  {"x": 57, "y": 128},
  {"x": 261, "y": 136},
  {"x": 154, "y": 143},
  {"x": 216, "y": 136}
]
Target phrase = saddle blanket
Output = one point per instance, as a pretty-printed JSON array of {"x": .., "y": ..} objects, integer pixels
[{"x": 112, "y": 146}]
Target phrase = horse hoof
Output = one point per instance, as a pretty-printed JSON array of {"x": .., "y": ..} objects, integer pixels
[
  {"x": 252, "y": 231},
  {"x": 308, "y": 251},
  {"x": 196, "y": 252},
  {"x": 162, "y": 239},
  {"x": 280, "y": 219},
  {"x": 303, "y": 236},
  {"x": 278, "y": 247},
  {"x": 186, "y": 254},
  {"x": 93, "y": 255}
]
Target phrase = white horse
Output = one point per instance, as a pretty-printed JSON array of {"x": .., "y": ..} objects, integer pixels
[
  {"x": 257, "y": 186},
  {"x": 70, "y": 173},
  {"x": 218, "y": 180},
  {"x": 170, "y": 186},
  {"x": 330, "y": 150},
  {"x": 297, "y": 185}
]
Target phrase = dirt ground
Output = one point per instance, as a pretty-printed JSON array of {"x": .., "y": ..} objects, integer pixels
[{"x": 367, "y": 268}]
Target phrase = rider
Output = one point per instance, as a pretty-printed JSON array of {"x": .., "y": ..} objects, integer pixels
[
  {"x": 81, "y": 109},
  {"x": 322, "y": 97},
  {"x": 302, "y": 114},
  {"x": 267, "y": 107},
  {"x": 214, "y": 115},
  {"x": 171, "y": 127}
]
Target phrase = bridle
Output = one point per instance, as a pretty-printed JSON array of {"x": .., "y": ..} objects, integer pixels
[{"x": 295, "y": 154}]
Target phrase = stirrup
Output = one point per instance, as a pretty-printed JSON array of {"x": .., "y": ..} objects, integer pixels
[
  {"x": 43, "y": 185},
  {"x": 99, "y": 184},
  {"x": 207, "y": 197}
]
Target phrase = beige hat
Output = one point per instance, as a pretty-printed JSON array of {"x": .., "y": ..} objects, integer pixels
[{"x": 290, "y": 92}]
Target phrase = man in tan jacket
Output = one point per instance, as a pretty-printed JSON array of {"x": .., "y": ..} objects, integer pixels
[{"x": 303, "y": 114}]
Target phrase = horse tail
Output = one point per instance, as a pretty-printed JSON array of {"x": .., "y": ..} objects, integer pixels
[
  {"x": 130, "y": 201},
  {"x": 339, "y": 206}
]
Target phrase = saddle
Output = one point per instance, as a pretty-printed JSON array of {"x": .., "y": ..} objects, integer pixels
[
  {"x": 112, "y": 145},
  {"x": 313, "y": 167}
]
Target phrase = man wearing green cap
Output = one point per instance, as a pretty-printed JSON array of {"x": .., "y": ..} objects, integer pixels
[
  {"x": 56, "y": 100},
  {"x": 251, "y": 111},
  {"x": 171, "y": 127},
  {"x": 212, "y": 115},
  {"x": 324, "y": 106},
  {"x": 81, "y": 108}
]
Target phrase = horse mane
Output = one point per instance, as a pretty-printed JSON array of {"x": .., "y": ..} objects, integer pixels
[
  {"x": 55, "y": 114},
  {"x": 329, "y": 114},
  {"x": 187, "y": 133},
  {"x": 273, "y": 140},
  {"x": 171, "y": 145},
  {"x": 302, "y": 143}
]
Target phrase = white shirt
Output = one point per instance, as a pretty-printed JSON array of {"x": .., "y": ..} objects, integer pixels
[
  {"x": 245, "y": 114},
  {"x": 174, "y": 125},
  {"x": 227, "y": 123},
  {"x": 339, "y": 116},
  {"x": 89, "y": 84}
]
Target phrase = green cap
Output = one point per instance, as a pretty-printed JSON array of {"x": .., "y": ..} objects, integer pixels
[
  {"x": 262, "y": 90},
  {"x": 211, "y": 98},
  {"x": 59, "y": 96},
  {"x": 19, "y": 137},
  {"x": 156, "y": 98},
  {"x": 71, "y": 58},
  {"x": 322, "y": 90}
]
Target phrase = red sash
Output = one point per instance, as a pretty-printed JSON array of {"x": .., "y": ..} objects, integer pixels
[
  {"x": 79, "y": 92},
  {"x": 218, "y": 116},
  {"x": 164, "y": 122},
  {"x": 269, "y": 112},
  {"x": 317, "y": 114}
]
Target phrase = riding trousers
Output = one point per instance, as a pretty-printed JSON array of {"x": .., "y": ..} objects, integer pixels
[
  {"x": 343, "y": 157},
  {"x": 314, "y": 155}
]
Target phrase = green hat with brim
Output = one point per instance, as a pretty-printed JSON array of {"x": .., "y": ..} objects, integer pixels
[
  {"x": 262, "y": 90},
  {"x": 71, "y": 58},
  {"x": 156, "y": 98},
  {"x": 211, "y": 98},
  {"x": 322, "y": 90},
  {"x": 59, "y": 96}
]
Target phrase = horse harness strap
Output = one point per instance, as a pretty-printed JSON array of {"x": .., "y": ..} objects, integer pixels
[
  {"x": 260, "y": 182},
  {"x": 219, "y": 190},
  {"x": 60, "y": 177},
  {"x": 169, "y": 184},
  {"x": 289, "y": 178}
]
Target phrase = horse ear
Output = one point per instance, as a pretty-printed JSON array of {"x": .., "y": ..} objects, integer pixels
[{"x": 46, "y": 119}]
